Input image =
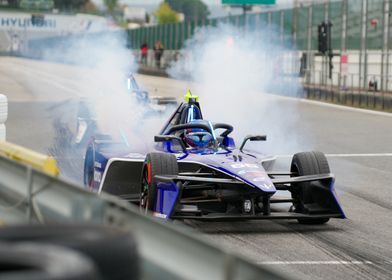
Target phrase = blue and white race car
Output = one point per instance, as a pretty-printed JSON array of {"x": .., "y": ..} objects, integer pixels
[
  {"x": 86, "y": 124},
  {"x": 197, "y": 172}
]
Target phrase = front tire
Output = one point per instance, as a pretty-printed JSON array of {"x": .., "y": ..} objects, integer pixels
[
  {"x": 155, "y": 164},
  {"x": 307, "y": 163}
]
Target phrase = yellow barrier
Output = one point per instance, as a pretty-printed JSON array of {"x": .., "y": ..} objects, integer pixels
[{"x": 38, "y": 161}]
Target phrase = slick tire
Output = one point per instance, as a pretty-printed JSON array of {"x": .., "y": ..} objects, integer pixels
[
  {"x": 113, "y": 251},
  {"x": 308, "y": 163},
  {"x": 3, "y": 109},
  {"x": 33, "y": 261},
  {"x": 88, "y": 171},
  {"x": 155, "y": 164}
]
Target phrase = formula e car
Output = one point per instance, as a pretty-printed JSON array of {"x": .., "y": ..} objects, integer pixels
[
  {"x": 86, "y": 125},
  {"x": 197, "y": 172}
]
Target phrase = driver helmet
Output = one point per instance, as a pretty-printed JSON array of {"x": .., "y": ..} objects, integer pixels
[{"x": 197, "y": 137}]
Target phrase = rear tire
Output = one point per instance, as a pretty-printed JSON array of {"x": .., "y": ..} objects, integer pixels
[
  {"x": 155, "y": 164},
  {"x": 88, "y": 174},
  {"x": 89, "y": 159},
  {"x": 307, "y": 163}
]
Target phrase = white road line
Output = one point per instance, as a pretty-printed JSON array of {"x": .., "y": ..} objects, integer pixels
[
  {"x": 361, "y": 155},
  {"x": 315, "y": 262},
  {"x": 347, "y": 108},
  {"x": 336, "y": 106},
  {"x": 347, "y": 155}
]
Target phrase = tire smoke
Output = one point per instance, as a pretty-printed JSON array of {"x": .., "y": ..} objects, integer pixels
[{"x": 235, "y": 70}]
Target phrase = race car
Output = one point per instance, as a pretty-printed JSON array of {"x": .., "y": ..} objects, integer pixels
[
  {"x": 197, "y": 172},
  {"x": 86, "y": 124}
]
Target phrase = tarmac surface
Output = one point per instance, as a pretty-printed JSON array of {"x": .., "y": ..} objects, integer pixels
[{"x": 43, "y": 100}]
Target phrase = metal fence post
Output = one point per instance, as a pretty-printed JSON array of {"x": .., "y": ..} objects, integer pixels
[
  {"x": 294, "y": 26},
  {"x": 309, "y": 39},
  {"x": 385, "y": 46},
  {"x": 176, "y": 36},
  {"x": 189, "y": 35},
  {"x": 270, "y": 20},
  {"x": 281, "y": 26},
  {"x": 325, "y": 57},
  {"x": 343, "y": 44},
  {"x": 388, "y": 49},
  {"x": 361, "y": 77},
  {"x": 365, "y": 68}
]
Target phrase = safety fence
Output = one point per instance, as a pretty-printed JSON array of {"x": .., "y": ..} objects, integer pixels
[
  {"x": 297, "y": 26},
  {"x": 360, "y": 61},
  {"x": 360, "y": 40}
]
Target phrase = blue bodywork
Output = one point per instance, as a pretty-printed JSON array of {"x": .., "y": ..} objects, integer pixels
[{"x": 114, "y": 168}]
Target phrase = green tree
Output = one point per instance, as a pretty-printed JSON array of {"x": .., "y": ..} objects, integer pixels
[
  {"x": 13, "y": 3},
  {"x": 69, "y": 5},
  {"x": 192, "y": 9},
  {"x": 111, "y": 5},
  {"x": 165, "y": 14}
]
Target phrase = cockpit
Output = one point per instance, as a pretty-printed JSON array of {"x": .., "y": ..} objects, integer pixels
[{"x": 188, "y": 130}]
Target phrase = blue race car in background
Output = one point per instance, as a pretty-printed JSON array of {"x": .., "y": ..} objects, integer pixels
[
  {"x": 197, "y": 172},
  {"x": 86, "y": 125}
]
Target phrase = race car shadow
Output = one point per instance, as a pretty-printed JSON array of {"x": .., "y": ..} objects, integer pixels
[{"x": 260, "y": 227}]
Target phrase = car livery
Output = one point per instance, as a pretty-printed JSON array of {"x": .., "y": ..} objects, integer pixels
[{"x": 211, "y": 179}]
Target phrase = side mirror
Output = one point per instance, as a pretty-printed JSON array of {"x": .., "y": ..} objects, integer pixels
[
  {"x": 252, "y": 138},
  {"x": 164, "y": 138}
]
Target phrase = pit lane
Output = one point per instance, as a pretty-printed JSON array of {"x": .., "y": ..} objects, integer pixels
[{"x": 42, "y": 110}]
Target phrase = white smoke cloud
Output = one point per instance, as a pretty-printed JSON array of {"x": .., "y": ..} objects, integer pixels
[
  {"x": 234, "y": 69},
  {"x": 104, "y": 62}
]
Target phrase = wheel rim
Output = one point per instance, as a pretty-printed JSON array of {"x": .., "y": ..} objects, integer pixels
[
  {"x": 146, "y": 181},
  {"x": 297, "y": 205}
]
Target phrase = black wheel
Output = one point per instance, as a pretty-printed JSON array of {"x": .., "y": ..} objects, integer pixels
[
  {"x": 113, "y": 251},
  {"x": 89, "y": 159},
  {"x": 88, "y": 174},
  {"x": 155, "y": 164},
  {"x": 307, "y": 163}
]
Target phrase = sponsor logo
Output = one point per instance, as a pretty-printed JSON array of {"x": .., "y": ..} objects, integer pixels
[
  {"x": 267, "y": 186},
  {"x": 97, "y": 164},
  {"x": 159, "y": 215},
  {"x": 24, "y": 22},
  {"x": 244, "y": 165},
  {"x": 97, "y": 176},
  {"x": 136, "y": 155}
]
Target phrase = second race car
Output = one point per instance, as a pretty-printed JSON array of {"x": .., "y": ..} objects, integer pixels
[{"x": 86, "y": 123}]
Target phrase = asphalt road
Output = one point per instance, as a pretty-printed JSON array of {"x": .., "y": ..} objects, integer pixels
[{"x": 43, "y": 103}]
